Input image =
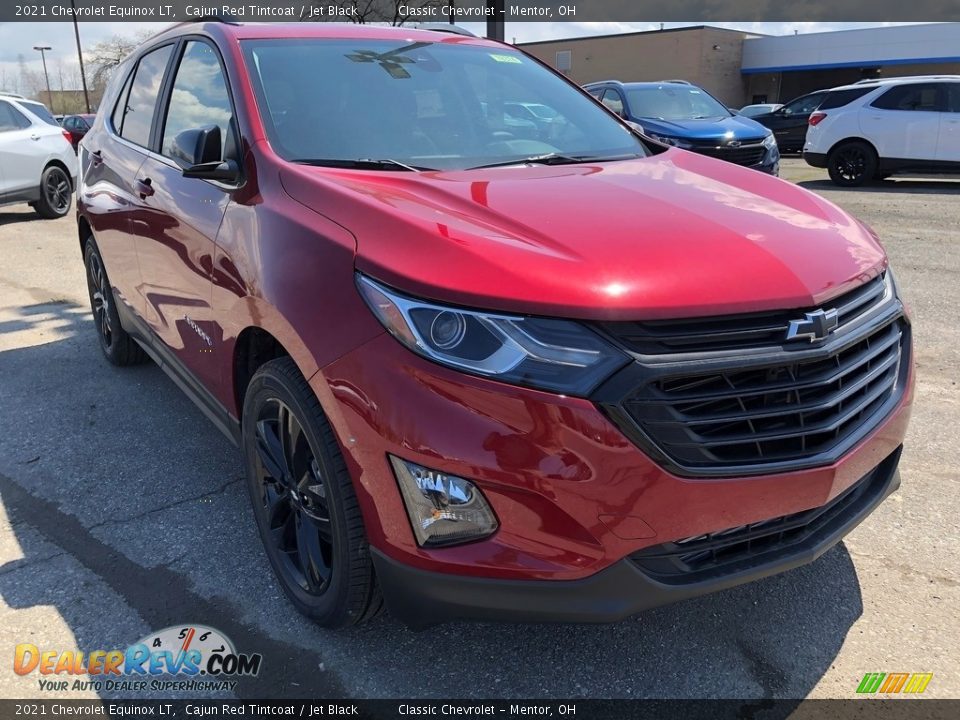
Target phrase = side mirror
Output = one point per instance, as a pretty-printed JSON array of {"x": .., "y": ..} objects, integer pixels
[
  {"x": 198, "y": 152},
  {"x": 227, "y": 171},
  {"x": 733, "y": 111},
  {"x": 197, "y": 146}
]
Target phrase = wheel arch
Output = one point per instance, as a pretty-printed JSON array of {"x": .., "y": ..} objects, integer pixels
[
  {"x": 850, "y": 139},
  {"x": 253, "y": 348},
  {"x": 57, "y": 162}
]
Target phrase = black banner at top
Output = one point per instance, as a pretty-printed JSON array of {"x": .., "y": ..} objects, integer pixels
[{"x": 460, "y": 11}]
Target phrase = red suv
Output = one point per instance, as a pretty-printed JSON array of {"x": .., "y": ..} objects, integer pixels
[{"x": 476, "y": 375}]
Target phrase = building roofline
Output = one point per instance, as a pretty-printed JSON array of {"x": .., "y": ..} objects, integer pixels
[
  {"x": 850, "y": 64},
  {"x": 644, "y": 32}
]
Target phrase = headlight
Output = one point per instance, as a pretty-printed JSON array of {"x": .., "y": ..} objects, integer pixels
[
  {"x": 558, "y": 355},
  {"x": 770, "y": 141},
  {"x": 666, "y": 140}
]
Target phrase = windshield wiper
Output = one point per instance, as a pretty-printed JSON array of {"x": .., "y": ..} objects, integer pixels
[
  {"x": 362, "y": 164},
  {"x": 556, "y": 159}
]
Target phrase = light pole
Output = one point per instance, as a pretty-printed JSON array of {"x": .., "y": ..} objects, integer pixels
[
  {"x": 43, "y": 56},
  {"x": 83, "y": 75}
]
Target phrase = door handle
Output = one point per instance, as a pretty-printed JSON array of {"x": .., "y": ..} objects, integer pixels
[
  {"x": 144, "y": 188},
  {"x": 96, "y": 157},
  {"x": 34, "y": 137}
]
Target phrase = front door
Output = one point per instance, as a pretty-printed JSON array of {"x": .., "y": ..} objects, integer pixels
[
  {"x": 904, "y": 122},
  {"x": 948, "y": 145},
  {"x": 176, "y": 226}
]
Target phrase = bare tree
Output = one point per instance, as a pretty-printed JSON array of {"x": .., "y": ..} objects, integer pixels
[
  {"x": 383, "y": 11},
  {"x": 103, "y": 57}
]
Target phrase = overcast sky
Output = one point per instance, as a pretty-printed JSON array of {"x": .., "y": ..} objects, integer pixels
[{"x": 18, "y": 39}]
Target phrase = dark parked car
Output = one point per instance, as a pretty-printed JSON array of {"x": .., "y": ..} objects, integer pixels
[
  {"x": 474, "y": 375},
  {"x": 678, "y": 113},
  {"x": 77, "y": 126},
  {"x": 789, "y": 122}
]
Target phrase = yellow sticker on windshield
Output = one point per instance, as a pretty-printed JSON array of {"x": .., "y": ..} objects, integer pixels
[{"x": 506, "y": 58}]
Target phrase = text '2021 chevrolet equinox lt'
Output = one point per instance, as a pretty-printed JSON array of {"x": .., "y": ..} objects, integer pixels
[{"x": 480, "y": 376}]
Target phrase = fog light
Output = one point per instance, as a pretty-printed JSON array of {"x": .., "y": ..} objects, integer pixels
[{"x": 443, "y": 509}]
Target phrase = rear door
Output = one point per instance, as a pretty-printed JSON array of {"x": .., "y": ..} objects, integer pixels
[
  {"x": 904, "y": 121},
  {"x": 21, "y": 154},
  {"x": 789, "y": 123},
  {"x": 111, "y": 159},
  {"x": 176, "y": 226},
  {"x": 948, "y": 144}
]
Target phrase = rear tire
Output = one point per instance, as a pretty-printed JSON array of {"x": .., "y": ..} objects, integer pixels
[
  {"x": 117, "y": 345},
  {"x": 852, "y": 164},
  {"x": 55, "y": 193},
  {"x": 303, "y": 500}
]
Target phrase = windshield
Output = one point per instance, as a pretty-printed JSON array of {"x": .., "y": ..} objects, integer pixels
[
  {"x": 40, "y": 111},
  {"x": 674, "y": 102},
  {"x": 422, "y": 105}
]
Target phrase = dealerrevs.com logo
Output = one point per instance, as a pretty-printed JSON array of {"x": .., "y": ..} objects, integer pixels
[{"x": 180, "y": 657}]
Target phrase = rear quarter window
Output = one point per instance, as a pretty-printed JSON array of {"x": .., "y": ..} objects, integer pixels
[
  {"x": 41, "y": 112},
  {"x": 11, "y": 118},
  {"x": 839, "y": 98},
  {"x": 917, "y": 97}
]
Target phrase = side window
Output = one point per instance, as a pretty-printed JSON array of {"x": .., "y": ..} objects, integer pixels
[
  {"x": 199, "y": 98},
  {"x": 70, "y": 123},
  {"x": 914, "y": 97},
  {"x": 839, "y": 98},
  {"x": 11, "y": 118},
  {"x": 596, "y": 92},
  {"x": 116, "y": 117},
  {"x": 142, "y": 99},
  {"x": 803, "y": 105},
  {"x": 612, "y": 99},
  {"x": 953, "y": 97}
]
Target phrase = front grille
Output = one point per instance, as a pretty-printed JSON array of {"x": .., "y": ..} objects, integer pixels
[
  {"x": 746, "y": 154},
  {"x": 747, "y": 546},
  {"x": 740, "y": 332},
  {"x": 739, "y": 399}
]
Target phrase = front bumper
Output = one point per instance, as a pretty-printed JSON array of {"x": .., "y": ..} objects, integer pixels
[{"x": 421, "y": 598}]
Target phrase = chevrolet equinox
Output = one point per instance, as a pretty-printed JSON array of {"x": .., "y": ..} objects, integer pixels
[{"x": 566, "y": 376}]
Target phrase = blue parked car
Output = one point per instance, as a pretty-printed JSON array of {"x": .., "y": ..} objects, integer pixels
[{"x": 677, "y": 113}]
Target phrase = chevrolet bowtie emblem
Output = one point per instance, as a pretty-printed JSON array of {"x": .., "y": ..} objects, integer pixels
[{"x": 814, "y": 326}]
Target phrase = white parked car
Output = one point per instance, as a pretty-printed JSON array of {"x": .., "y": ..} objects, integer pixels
[
  {"x": 759, "y": 109},
  {"x": 874, "y": 129},
  {"x": 37, "y": 162}
]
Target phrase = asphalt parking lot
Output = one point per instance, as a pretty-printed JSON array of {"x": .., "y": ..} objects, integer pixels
[{"x": 123, "y": 512}]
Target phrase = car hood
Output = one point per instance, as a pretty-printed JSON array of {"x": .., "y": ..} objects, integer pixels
[
  {"x": 672, "y": 235},
  {"x": 737, "y": 127}
]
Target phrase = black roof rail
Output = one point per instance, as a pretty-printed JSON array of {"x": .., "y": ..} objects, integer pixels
[
  {"x": 225, "y": 18},
  {"x": 446, "y": 28}
]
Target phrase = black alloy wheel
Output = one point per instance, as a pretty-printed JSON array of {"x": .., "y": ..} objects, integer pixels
[
  {"x": 117, "y": 346},
  {"x": 293, "y": 496},
  {"x": 303, "y": 500},
  {"x": 55, "y": 191},
  {"x": 852, "y": 164},
  {"x": 100, "y": 296}
]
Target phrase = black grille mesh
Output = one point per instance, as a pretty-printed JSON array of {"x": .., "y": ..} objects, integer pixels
[{"x": 772, "y": 412}]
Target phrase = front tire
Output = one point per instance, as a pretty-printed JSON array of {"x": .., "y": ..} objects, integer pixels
[
  {"x": 303, "y": 500},
  {"x": 117, "y": 345},
  {"x": 55, "y": 193},
  {"x": 852, "y": 164}
]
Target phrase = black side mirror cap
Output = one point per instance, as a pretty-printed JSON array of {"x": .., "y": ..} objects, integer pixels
[
  {"x": 227, "y": 171},
  {"x": 197, "y": 146}
]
